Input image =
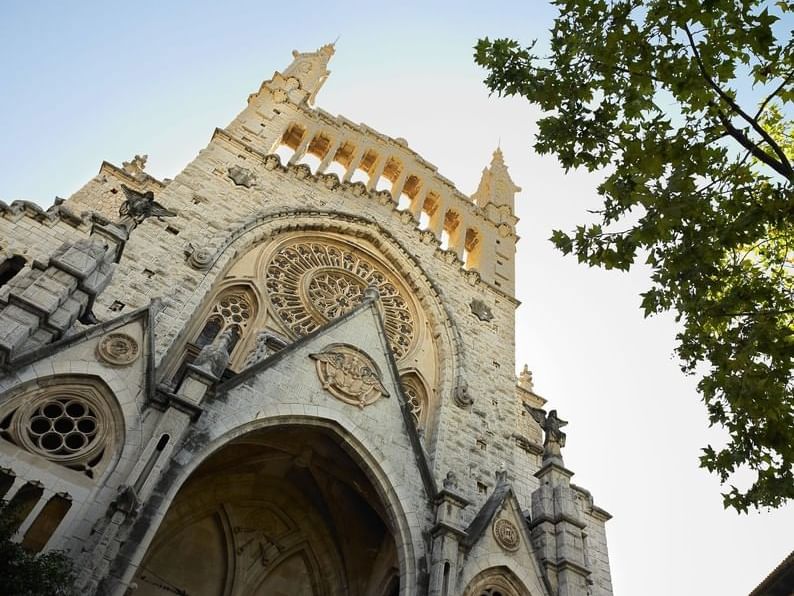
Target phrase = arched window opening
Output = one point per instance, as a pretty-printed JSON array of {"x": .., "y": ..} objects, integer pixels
[
  {"x": 472, "y": 247},
  {"x": 46, "y": 522},
  {"x": 284, "y": 153},
  {"x": 310, "y": 160},
  {"x": 498, "y": 581},
  {"x": 445, "y": 582},
  {"x": 416, "y": 398},
  {"x": 232, "y": 310},
  {"x": 290, "y": 141},
  {"x": 293, "y": 136},
  {"x": 430, "y": 212},
  {"x": 410, "y": 192},
  {"x": 404, "y": 202},
  {"x": 9, "y": 268},
  {"x": 336, "y": 168},
  {"x": 366, "y": 168},
  {"x": 451, "y": 230},
  {"x": 20, "y": 506},
  {"x": 210, "y": 331},
  {"x": 71, "y": 423}
]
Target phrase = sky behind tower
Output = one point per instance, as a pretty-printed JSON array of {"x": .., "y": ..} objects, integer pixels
[{"x": 84, "y": 82}]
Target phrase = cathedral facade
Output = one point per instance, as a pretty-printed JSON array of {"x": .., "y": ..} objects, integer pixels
[{"x": 290, "y": 370}]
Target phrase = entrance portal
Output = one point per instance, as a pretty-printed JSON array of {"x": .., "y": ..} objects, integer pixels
[{"x": 277, "y": 512}]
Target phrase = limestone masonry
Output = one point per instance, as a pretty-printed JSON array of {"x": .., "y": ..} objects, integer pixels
[{"x": 290, "y": 370}]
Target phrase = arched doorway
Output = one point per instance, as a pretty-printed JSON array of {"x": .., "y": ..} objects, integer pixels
[{"x": 283, "y": 511}]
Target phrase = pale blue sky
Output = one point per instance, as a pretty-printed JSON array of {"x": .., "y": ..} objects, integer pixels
[{"x": 89, "y": 81}]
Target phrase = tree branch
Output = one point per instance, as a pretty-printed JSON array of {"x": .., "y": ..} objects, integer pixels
[
  {"x": 782, "y": 167},
  {"x": 757, "y": 152}
]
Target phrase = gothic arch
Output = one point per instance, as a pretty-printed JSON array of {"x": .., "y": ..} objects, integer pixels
[
  {"x": 386, "y": 486},
  {"x": 267, "y": 225},
  {"x": 496, "y": 581},
  {"x": 73, "y": 421},
  {"x": 248, "y": 299}
]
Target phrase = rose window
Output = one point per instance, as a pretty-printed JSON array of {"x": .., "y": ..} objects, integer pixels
[
  {"x": 311, "y": 283},
  {"x": 333, "y": 294},
  {"x": 62, "y": 426},
  {"x": 69, "y": 424}
]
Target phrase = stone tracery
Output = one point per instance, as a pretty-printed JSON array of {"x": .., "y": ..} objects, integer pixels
[{"x": 312, "y": 282}]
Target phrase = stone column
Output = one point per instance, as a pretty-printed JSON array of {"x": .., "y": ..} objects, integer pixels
[
  {"x": 377, "y": 172},
  {"x": 557, "y": 530},
  {"x": 300, "y": 151},
  {"x": 329, "y": 155},
  {"x": 355, "y": 161},
  {"x": 446, "y": 536}
]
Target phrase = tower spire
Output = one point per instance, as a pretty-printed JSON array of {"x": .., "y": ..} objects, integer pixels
[
  {"x": 496, "y": 186},
  {"x": 311, "y": 69}
]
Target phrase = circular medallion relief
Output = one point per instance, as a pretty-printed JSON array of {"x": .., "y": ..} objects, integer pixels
[
  {"x": 118, "y": 349},
  {"x": 506, "y": 534},
  {"x": 312, "y": 282}
]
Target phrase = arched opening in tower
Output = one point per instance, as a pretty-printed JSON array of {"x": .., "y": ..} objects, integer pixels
[{"x": 283, "y": 511}]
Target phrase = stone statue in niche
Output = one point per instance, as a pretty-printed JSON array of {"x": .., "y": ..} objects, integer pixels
[
  {"x": 349, "y": 375},
  {"x": 481, "y": 310},
  {"x": 551, "y": 425},
  {"x": 242, "y": 176},
  {"x": 214, "y": 358},
  {"x": 138, "y": 207}
]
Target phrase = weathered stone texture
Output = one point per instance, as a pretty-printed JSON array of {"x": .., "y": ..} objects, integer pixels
[{"x": 234, "y": 202}]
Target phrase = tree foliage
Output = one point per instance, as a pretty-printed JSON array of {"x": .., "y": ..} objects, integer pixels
[
  {"x": 685, "y": 107},
  {"x": 27, "y": 574}
]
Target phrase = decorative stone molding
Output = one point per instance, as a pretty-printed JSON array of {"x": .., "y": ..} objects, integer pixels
[
  {"x": 118, "y": 349},
  {"x": 349, "y": 375},
  {"x": 506, "y": 534},
  {"x": 242, "y": 176},
  {"x": 481, "y": 310}
]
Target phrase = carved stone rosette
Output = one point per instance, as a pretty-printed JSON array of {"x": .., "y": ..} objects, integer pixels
[
  {"x": 506, "y": 534},
  {"x": 349, "y": 375},
  {"x": 118, "y": 349}
]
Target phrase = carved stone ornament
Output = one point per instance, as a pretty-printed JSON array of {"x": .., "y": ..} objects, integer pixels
[
  {"x": 506, "y": 534},
  {"x": 280, "y": 96},
  {"x": 462, "y": 396},
  {"x": 118, "y": 349},
  {"x": 312, "y": 282},
  {"x": 242, "y": 176},
  {"x": 349, "y": 375},
  {"x": 481, "y": 310},
  {"x": 198, "y": 257}
]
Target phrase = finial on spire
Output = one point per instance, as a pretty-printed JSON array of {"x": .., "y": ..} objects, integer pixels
[
  {"x": 525, "y": 379},
  {"x": 310, "y": 69},
  {"x": 496, "y": 186}
]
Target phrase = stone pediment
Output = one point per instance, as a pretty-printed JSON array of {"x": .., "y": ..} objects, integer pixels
[
  {"x": 498, "y": 536},
  {"x": 344, "y": 370},
  {"x": 120, "y": 351}
]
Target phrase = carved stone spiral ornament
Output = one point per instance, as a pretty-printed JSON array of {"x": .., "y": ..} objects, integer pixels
[
  {"x": 312, "y": 282},
  {"x": 506, "y": 534},
  {"x": 118, "y": 349}
]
